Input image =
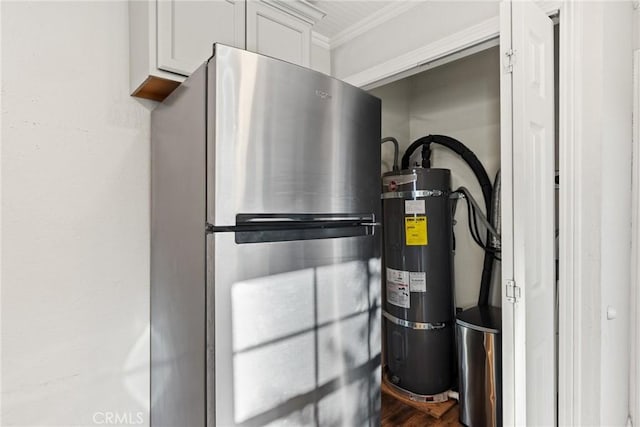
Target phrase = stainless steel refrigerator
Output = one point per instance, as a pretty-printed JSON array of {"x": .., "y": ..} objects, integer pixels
[{"x": 265, "y": 258}]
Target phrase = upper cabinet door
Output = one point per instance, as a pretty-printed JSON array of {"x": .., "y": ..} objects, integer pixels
[
  {"x": 277, "y": 34},
  {"x": 187, "y": 30},
  {"x": 527, "y": 145}
]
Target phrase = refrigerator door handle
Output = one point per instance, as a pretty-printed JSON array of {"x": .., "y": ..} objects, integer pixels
[
  {"x": 267, "y": 228},
  {"x": 258, "y": 227},
  {"x": 268, "y": 235},
  {"x": 292, "y": 218}
]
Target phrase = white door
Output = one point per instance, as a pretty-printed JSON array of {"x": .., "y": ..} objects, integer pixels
[
  {"x": 187, "y": 30},
  {"x": 527, "y": 141},
  {"x": 277, "y": 34}
]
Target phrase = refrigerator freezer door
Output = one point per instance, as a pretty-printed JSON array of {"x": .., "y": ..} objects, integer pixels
[
  {"x": 285, "y": 139},
  {"x": 293, "y": 331}
]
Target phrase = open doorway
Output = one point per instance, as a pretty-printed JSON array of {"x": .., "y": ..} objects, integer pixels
[{"x": 459, "y": 97}]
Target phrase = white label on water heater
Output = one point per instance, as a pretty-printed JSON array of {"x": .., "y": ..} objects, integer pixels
[
  {"x": 398, "y": 288},
  {"x": 414, "y": 207},
  {"x": 398, "y": 276},
  {"x": 418, "y": 281},
  {"x": 398, "y": 295}
]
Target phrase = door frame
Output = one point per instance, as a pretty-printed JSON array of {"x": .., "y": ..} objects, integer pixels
[
  {"x": 634, "y": 386},
  {"x": 574, "y": 251}
]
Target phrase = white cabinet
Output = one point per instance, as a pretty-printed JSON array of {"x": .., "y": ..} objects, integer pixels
[
  {"x": 275, "y": 33},
  {"x": 169, "y": 39},
  {"x": 187, "y": 30}
]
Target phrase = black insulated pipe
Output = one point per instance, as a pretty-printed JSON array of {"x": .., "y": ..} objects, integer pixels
[{"x": 485, "y": 185}]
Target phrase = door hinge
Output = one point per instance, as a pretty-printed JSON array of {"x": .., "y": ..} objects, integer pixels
[
  {"x": 512, "y": 291},
  {"x": 509, "y": 60}
]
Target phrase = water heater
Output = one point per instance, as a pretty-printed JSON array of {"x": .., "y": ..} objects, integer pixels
[{"x": 418, "y": 299}]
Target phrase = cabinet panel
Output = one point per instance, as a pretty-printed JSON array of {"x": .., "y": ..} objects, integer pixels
[
  {"x": 187, "y": 30},
  {"x": 277, "y": 34}
]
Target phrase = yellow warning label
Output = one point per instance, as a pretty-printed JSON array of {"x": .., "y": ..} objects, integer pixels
[{"x": 415, "y": 230}]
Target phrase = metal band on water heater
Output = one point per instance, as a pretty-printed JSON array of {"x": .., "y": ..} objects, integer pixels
[{"x": 418, "y": 280}]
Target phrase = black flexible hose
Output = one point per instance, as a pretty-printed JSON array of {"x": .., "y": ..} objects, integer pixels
[{"x": 485, "y": 185}]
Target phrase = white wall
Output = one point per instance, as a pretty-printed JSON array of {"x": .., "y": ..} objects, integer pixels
[
  {"x": 460, "y": 99},
  {"x": 396, "y": 104},
  {"x": 75, "y": 210}
]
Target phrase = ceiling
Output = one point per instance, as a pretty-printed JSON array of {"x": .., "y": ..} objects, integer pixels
[{"x": 343, "y": 14}]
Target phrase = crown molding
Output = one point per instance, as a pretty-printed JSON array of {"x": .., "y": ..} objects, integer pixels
[
  {"x": 301, "y": 9},
  {"x": 320, "y": 40},
  {"x": 375, "y": 19}
]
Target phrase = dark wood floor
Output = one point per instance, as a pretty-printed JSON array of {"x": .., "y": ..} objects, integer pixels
[{"x": 396, "y": 413}]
